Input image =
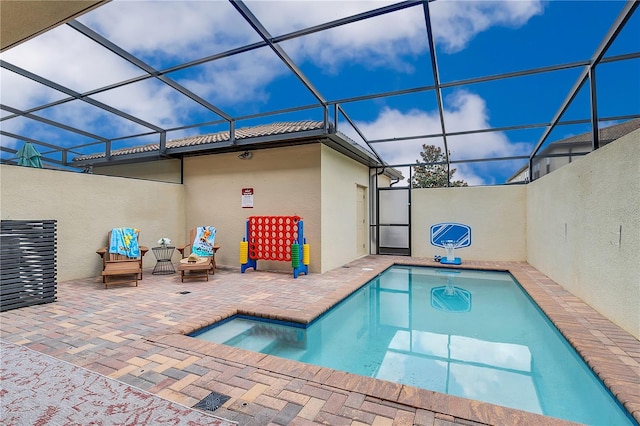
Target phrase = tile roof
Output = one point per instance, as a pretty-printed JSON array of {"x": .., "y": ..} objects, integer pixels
[{"x": 271, "y": 129}]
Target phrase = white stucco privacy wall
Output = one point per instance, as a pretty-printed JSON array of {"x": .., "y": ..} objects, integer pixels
[
  {"x": 575, "y": 215},
  {"x": 86, "y": 207},
  {"x": 495, "y": 214}
]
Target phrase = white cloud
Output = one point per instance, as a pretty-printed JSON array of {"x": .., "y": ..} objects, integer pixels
[
  {"x": 237, "y": 78},
  {"x": 177, "y": 31},
  {"x": 171, "y": 32},
  {"x": 148, "y": 100},
  {"x": 463, "y": 110},
  {"x": 377, "y": 42},
  {"x": 65, "y": 57},
  {"x": 466, "y": 173},
  {"x": 30, "y": 94},
  {"x": 455, "y": 23},
  {"x": 384, "y": 41},
  {"x": 168, "y": 33},
  {"x": 295, "y": 15}
]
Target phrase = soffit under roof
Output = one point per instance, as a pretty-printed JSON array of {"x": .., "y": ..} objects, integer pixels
[{"x": 22, "y": 20}]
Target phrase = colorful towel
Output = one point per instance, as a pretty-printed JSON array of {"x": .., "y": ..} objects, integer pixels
[
  {"x": 203, "y": 243},
  {"x": 124, "y": 241}
]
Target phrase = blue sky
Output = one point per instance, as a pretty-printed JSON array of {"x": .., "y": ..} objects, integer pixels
[{"x": 385, "y": 53}]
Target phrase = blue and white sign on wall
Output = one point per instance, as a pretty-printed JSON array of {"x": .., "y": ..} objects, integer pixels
[{"x": 447, "y": 231}]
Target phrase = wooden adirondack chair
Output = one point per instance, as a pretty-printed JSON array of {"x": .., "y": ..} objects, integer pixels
[
  {"x": 118, "y": 268},
  {"x": 197, "y": 270}
]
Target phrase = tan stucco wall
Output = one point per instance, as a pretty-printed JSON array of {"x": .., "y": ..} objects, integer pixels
[
  {"x": 574, "y": 217},
  {"x": 565, "y": 224},
  {"x": 340, "y": 179},
  {"x": 86, "y": 207},
  {"x": 163, "y": 170},
  {"x": 496, "y": 215},
  {"x": 286, "y": 181}
]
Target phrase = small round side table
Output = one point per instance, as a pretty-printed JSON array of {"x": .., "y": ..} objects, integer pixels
[{"x": 163, "y": 260}]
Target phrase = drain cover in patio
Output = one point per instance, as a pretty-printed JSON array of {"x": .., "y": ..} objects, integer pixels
[{"x": 212, "y": 402}]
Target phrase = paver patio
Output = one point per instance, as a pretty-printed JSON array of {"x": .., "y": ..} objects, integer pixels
[{"x": 136, "y": 335}]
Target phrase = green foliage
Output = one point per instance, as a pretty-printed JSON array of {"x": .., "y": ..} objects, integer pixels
[{"x": 434, "y": 173}]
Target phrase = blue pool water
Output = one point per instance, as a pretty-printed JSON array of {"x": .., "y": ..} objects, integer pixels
[{"x": 473, "y": 334}]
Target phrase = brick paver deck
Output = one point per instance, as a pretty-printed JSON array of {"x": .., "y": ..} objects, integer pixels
[{"x": 136, "y": 335}]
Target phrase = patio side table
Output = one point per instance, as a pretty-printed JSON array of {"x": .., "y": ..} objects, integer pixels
[{"x": 163, "y": 260}]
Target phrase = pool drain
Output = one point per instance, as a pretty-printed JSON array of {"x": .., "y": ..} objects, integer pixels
[
  {"x": 212, "y": 402},
  {"x": 184, "y": 292}
]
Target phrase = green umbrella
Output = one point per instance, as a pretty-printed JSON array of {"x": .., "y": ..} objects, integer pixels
[{"x": 29, "y": 156}]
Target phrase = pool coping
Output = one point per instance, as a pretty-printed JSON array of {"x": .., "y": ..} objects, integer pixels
[{"x": 604, "y": 346}]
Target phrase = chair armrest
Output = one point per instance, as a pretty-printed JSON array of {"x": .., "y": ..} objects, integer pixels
[
  {"x": 143, "y": 250},
  {"x": 102, "y": 252},
  {"x": 182, "y": 248}
]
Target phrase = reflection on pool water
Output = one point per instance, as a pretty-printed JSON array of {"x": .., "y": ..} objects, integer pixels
[{"x": 473, "y": 334}]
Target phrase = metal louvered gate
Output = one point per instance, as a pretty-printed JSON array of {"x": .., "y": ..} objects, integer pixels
[{"x": 27, "y": 263}]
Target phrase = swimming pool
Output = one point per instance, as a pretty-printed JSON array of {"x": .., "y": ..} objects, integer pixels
[{"x": 467, "y": 333}]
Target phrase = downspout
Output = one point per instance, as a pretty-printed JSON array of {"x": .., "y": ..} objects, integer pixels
[{"x": 393, "y": 182}]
